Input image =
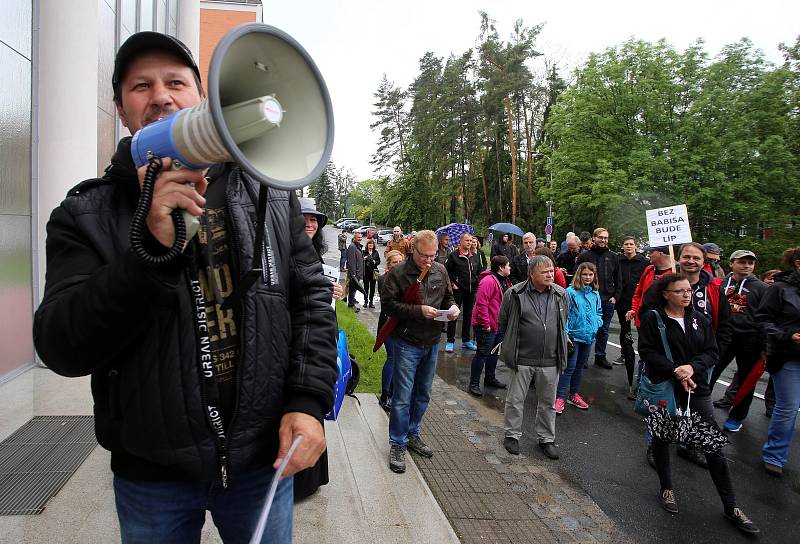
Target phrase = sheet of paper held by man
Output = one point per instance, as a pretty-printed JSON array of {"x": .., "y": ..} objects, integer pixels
[{"x": 443, "y": 315}]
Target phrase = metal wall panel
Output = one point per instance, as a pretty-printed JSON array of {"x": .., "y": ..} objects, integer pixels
[
  {"x": 161, "y": 16},
  {"x": 106, "y": 23},
  {"x": 146, "y": 14},
  {"x": 15, "y": 132},
  {"x": 15, "y": 25},
  {"x": 106, "y": 141},
  {"x": 127, "y": 17},
  {"x": 15, "y": 293}
]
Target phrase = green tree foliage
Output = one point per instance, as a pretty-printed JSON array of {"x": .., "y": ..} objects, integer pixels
[
  {"x": 645, "y": 125},
  {"x": 391, "y": 122},
  {"x": 454, "y": 145},
  {"x": 323, "y": 193},
  {"x": 331, "y": 189},
  {"x": 478, "y": 137}
]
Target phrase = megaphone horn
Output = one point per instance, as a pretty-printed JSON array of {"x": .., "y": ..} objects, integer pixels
[{"x": 268, "y": 109}]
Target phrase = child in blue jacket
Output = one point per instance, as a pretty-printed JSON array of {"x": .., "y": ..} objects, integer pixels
[{"x": 585, "y": 318}]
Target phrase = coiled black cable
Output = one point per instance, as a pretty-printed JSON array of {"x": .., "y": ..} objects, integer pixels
[{"x": 138, "y": 227}]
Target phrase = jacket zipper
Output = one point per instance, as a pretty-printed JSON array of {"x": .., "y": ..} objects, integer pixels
[{"x": 242, "y": 315}]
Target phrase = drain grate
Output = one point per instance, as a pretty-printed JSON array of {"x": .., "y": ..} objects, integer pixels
[{"x": 39, "y": 458}]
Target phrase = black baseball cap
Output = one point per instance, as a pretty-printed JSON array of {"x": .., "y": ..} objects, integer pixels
[
  {"x": 147, "y": 41},
  {"x": 662, "y": 249}
]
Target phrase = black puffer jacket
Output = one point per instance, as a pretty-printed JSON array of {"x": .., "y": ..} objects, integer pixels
[
  {"x": 131, "y": 327},
  {"x": 779, "y": 316},
  {"x": 464, "y": 270},
  {"x": 630, "y": 271},
  {"x": 607, "y": 264}
]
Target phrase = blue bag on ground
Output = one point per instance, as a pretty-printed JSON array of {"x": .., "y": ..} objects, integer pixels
[{"x": 345, "y": 371}]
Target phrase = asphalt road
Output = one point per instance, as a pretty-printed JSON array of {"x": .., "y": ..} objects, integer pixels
[{"x": 603, "y": 451}]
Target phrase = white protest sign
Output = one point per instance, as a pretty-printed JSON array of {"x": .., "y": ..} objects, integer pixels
[{"x": 667, "y": 226}]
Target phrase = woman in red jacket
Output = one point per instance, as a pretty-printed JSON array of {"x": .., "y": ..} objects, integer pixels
[{"x": 493, "y": 284}]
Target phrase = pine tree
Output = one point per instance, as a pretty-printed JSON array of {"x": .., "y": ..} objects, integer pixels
[{"x": 322, "y": 191}]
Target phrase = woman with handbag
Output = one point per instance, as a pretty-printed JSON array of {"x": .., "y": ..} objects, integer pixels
[
  {"x": 677, "y": 346},
  {"x": 372, "y": 260}
]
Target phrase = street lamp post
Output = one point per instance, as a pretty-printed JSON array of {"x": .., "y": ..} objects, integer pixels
[{"x": 548, "y": 202}]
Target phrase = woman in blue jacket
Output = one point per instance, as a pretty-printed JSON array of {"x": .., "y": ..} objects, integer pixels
[{"x": 584, "y": 319}]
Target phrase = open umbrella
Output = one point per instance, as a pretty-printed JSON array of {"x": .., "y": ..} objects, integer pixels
[
  {"x": 509, "y": 228},
  {"x": 750, "y": 382},
  {"x": 411, "y": 296},
  {"x": 686, "y": 427},
  {"x": 454, "y": 232}
]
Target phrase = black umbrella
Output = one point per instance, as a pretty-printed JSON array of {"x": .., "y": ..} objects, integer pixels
[{"x": 686, "y": 427}]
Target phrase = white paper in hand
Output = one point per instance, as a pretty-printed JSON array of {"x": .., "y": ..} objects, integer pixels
[
  {"x": 443, "y": 314},
  {"x": 331, "y": 272}
]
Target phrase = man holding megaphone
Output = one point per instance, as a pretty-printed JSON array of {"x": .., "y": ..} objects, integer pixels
[{"x": 201, "y": 381}]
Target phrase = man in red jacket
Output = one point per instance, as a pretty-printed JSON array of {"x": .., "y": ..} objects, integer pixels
[
  {"x": 493, "y": 284},
  {"x": 659, "y": 265}
]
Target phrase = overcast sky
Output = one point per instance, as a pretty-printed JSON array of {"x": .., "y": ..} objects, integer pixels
[{"x": 355, "y": 41}]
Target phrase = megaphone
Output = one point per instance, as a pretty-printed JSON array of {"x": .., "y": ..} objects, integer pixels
[{"x": 268, "y": 109}]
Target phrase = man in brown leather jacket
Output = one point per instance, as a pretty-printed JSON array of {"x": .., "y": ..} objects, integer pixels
[{"x": 416, "y": 343}]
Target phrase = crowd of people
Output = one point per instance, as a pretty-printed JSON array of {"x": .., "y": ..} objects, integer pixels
[
  {"x": 544, "y": 311},
  {"x": 213, "y": 360}
]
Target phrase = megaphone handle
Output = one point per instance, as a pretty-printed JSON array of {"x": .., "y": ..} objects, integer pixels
[
  {"x": 192, "y": 222},
  {"x": 138, "y": 226}
]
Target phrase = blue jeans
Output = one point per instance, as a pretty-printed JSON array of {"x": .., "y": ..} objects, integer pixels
[
  {"x": 414, "y": 368},
  {"x": 602, "y": 332},
  {"x": 571, "y": 378},
  {"x": 342, "y": 259},
  {"x": 486, "y": 341},
  {"x": 388, "y": 366},
  {"x": 176, "y": 511},
  {"x": 784, "y": 415}
]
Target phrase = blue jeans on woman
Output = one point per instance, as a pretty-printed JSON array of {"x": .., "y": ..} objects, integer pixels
[
  {"x": 483, "y": 356},
  {"x": 388, "y": 366},
  {"x": 784, "y": 415},
  {"x": 571, "y": 378},
  {"x": 176, "y": 511},
  {"x": 414, "y": 368}
]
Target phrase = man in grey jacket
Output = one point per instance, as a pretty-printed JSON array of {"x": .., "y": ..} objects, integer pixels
[
  {"x": 355, "y": 270},
  {"x": 533, "y": 318}
]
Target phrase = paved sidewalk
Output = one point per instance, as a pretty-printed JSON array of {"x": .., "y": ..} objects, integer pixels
[{"x": 489, "y": 495}]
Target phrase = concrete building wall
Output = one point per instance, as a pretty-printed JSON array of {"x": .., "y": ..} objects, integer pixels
[{"x": 58, "y": 126}]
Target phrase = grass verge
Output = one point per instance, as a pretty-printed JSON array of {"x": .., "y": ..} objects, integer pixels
[{"x": 360, "y": 341}]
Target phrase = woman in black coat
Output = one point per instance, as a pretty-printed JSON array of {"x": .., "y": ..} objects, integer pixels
[
  {"x": 694, "y": 354},
  {"x": 372, "y": 260},
  {"x": 306, "y": 482}
]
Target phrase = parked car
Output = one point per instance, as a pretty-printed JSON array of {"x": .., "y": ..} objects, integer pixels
[
  {"x": 364, "y": 230},
  {"x": 339, "y": 222},
  {"x": 384, "y": 236},
  {"x": 350, "y": 227}
]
